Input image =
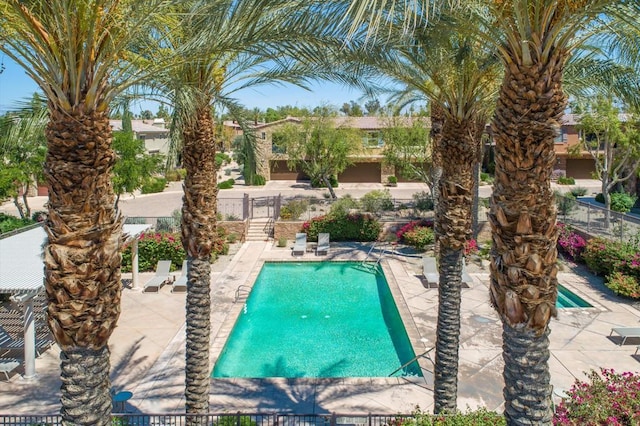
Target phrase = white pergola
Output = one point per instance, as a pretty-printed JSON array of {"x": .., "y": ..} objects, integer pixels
[{"x": 22, "y": 276}]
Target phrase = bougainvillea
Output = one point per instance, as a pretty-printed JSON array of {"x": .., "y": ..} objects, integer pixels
[
  {"x": 570, "y": 242},
  {"x": 608, "y": 398}
]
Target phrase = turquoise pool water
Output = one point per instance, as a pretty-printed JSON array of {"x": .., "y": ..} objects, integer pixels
[
  {"x": 568, "y": 299},
  {"x": 317, "y": 319}
]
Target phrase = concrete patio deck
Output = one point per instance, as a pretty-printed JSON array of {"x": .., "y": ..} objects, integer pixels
[{"x": 148, "y": 346}]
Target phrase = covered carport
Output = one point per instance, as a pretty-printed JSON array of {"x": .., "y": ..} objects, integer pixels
[{"x": 22, "y": 276}]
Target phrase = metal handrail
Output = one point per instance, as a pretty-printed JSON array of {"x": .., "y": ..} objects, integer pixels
[{"x": 415, "y": 358}]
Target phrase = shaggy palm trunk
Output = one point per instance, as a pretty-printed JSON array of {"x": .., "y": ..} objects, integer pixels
[
  {"x": 82, "y": 260},
  {"x": 523, "y": 221},
  {"x": 453, "y": 226},
  {"x": 198, "y": 238}
]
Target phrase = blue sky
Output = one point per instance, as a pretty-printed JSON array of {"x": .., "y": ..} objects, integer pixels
[{"x": 16, "y": 85}]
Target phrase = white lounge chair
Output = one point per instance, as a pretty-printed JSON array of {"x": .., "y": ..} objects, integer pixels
[
  {"x": 8, "y": 365},
  {"x": 625, "y": 333},
  {"x": 300, "y": 246},
  {"x": 432, "y": 275},
  {"x": 180, "y": 285},
  {"x": 323, "y": 244},
  {"x": 160, "y": 278}
]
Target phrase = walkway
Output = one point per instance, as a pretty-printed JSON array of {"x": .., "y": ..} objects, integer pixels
[{"x": 148, "y": 347}]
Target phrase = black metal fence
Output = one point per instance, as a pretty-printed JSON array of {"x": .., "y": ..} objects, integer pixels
[{"x": 236, "y": 419}]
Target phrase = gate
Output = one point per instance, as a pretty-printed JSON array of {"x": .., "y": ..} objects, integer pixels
[{"x": 264, "y": 207}]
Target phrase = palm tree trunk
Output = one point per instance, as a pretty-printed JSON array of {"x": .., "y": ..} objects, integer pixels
[
  {"x": 523, "y": 221},
  {"x": 437, "y": 122},
  {"x": 82, "y": 260},
  {"x": 198, "y": 237},
  {"x": 453, "y": 226}
]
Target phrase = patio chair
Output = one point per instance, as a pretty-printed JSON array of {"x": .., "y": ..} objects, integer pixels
[
  {"x": 625, "y": 333},
  {"x": 7, "y": 365},
  {"x": 430, "y": 271},
  {"x": 180, "y": 285},
  {"x": 161, "y": 277},
  {"x": 323, "y": 244},
  {"x": 300, "y": 245}
]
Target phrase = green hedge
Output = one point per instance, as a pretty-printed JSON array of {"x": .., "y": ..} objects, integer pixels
[
  {"x": 352, "y": 227},
  {"x": 155, "y": 246},
  {"x": 154, "y": 185},
  {"x": 618, "y": 261},
  {"x": 10, "y": 223}
]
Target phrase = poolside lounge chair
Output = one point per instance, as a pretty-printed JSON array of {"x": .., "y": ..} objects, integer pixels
[
  {"x": 300, "y": 245},
  {"x": 160, "y": 278},
  {"x": 7, "y": 365},
  {"x": 432, "y": 275},
  {"x": 180, "y": 285},
  {"x": 430, "y": 271},
  {"x": 323, "y": 244},
  {"x": 626, "y": 332}
]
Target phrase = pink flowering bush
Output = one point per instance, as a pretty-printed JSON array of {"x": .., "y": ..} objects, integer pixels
[
  {"x": 570, "y": 242},
  {"x": 418, "y": 234},
  {"x": 471, "y": 247},
  {"x": 155, "y": 246},
  {"x": 608, "y": 398},
  {"x": 624, "y": 285}
]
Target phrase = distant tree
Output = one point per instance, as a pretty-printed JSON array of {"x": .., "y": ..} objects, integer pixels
[
  {"x": 272, "y": 115},
  {"x": 146, "y": 115},
  {"x": 613, "y": 144},
  {"x": 23, "y": 149},
  {"x": 407, "y": 147},
  {"x": 372, "y": 107},
  {"x": 319, "y": 148},
  {"x": 133, "y": 166},
  {"x": 163, "y": 112},
  {"x": 352, "y": 109}
]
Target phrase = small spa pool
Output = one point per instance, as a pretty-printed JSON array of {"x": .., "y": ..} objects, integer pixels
[
  {"x": 568, "y": 299},
  {"x": 318, "y": 319}
]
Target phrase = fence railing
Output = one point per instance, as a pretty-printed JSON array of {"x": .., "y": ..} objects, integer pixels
[
  {"x": 593, "y": 219},
  {"x": 236, "y": 419}
]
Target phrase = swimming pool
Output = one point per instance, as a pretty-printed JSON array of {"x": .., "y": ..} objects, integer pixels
[
  {"x": 568, "y": 299},
  {"x": 318, "y": 319}
]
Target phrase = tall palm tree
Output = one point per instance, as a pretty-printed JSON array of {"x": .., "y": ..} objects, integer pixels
[
  {"x": 232, "y": 45},
  {"x": 459, "y": 79},
  {"x": 77, "y": 51}
]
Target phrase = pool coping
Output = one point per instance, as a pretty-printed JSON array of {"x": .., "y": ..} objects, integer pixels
[{"x": 415, "y": 338}]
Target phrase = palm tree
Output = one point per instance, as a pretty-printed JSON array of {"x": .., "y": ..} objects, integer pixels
[
  {"x": 231, "y": 45},
  {"x": 459, "y": 79},
  {"x": 77, "y": 52}
]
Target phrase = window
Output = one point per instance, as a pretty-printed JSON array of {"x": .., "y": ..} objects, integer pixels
[
  {"x": 561, "y": 136},
  {"x": 372, "y": 140},
  {"x": 264, "y": 135}
]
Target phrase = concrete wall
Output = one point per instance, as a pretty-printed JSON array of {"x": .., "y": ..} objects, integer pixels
[{"x": 240, "y": 228}]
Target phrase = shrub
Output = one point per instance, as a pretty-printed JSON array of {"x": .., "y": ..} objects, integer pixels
[
  {"x": 226, "y": 184},
  {"x": 479, "y": 417},
  {"x": 351, "y": 227},
  {"x": 222, "y": 158},
  {"x": 486, "y": 177},
  {"x": 624, "y": 285},
  {"x": 294, "y": 209},
  {"x": 557, "y": 174},
  {"x": 232, "y": 217},
  {"x": 392, "y": 180},
  {"x": 409, "y": 226},
  {"x": 232, "y": 238},
  {"x": 423, "y": 201},
  {"x": 282, "y": 242},
  {"x": 470, "y": 247},
  {"x": 420, "y": 237},
  {"x": 173, "y": 175},
  {"x": 570, "y": 243},
  {"x": 39, "y": 216},
  {"x": 155, "y": 246},
  {"x": 234, "y": 420},
  {"x": 604, "y": 256},
  {"x": 342, "y": 206},
  {"x": 259, "y": 180},
  {"x": 565, "y": 202},
  {"x": 154, "y": 185},
  {"x": 377, "y": 201},
  {"x": 10, "y": 223},
  {"x": 608, "y": 398},
  {"x": 622, "y": 202},
  {"x": 600, "y": 198},
  {"x": 579, "y": 191},
  {"x": 562, "y": 180}
]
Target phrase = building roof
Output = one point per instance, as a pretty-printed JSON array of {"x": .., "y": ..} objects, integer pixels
[
  {"x": 362, "y": 123},
  {"x": 141, "y": 126},
  {"x": 21, "y": 262},
  {"x": 574, "y": 119}
]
